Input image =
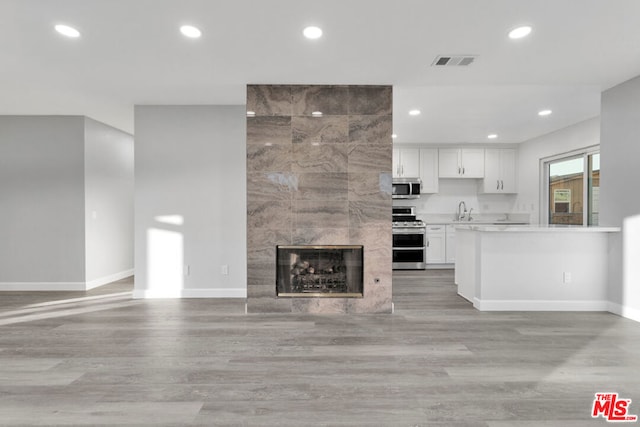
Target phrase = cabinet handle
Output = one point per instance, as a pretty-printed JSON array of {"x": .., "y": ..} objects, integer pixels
[
  {"x": 498, "y": 184},
  {"x": 427, "y": 243},
  {"x": 501, "y": 184},
  {"x": 402, "y": 166},
  {"x": 462, "y": 171},
  {"x": 459, "y": 170}
]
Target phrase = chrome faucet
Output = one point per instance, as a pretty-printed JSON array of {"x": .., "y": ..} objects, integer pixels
[{"x": 461, "y": 213}]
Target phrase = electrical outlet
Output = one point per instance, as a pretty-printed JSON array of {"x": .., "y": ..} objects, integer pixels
[
  {"x": 224, "y": 269},
  {"x": 566, "y": 277}
]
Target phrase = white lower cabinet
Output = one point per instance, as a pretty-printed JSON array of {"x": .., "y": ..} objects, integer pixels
[
  {"x": 451, "y": 244},
  {"x": 441, "y": 244},
  {"x": 436, "y": 244}
]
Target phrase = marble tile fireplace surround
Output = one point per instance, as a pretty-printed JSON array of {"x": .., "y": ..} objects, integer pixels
[{"x": 319, "y": 162}]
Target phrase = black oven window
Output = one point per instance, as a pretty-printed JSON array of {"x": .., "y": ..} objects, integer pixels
[{"x": 408, "y": 240}]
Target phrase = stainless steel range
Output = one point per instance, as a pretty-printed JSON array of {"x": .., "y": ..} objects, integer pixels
[{"x": 409, "y": 238}]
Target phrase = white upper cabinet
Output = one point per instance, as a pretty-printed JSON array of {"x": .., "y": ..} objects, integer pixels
[
  {"x": 406, "y": 162},
  {"x": 461, "y": 163},
  {"x": 429, "y": 170},
  {"x": 500, "y": 171}
]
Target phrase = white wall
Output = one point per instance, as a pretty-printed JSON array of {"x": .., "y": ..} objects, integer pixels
[
  {"x": 619, "y": 196},
  {"x": 54, "y": 172},
  {"x": 190, "y": 201},
  {"x": 108, "y": 165},
  {"x": 41, "y": 202},
  {"x": 580, "y": 135}
]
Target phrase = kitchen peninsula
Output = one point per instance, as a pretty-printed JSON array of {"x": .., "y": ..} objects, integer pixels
[{"x": 544, "y": 268}]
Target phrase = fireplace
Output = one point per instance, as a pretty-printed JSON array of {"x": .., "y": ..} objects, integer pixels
[
  {"x": 319, "y": 271},
  {"x": 319, "y": 180}
]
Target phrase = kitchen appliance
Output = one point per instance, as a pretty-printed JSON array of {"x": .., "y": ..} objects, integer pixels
[
  {"x": 409, "y": 239},
  {"x": 406, "y": 188}
]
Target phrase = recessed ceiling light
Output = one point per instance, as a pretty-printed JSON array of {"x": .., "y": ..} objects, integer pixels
[
  {"x": 317, "y": 114},
  {"x": 520, "y": 32},
  {"x": 414, "y": 112},
  {"x": 544, "y": 112},
  {"x": 394, "y": 136},
  {"x": 190, "y": 31},
  {"x": 312, "y": 32},
  {"x": 492, "y": 136},
  {"x": 67, "y": 31}
]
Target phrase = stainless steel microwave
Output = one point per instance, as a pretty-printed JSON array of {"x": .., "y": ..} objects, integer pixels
[{"x": 406, "y": 188}]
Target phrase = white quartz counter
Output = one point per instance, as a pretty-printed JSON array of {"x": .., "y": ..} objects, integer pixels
[
  {"x": 534, "y": 228},
  {"x": 533, "y": 267},
  {"x": 477, "y": 219}
]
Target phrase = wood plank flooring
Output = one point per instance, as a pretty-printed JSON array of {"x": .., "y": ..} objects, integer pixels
[{"x": 101, "y": 358}]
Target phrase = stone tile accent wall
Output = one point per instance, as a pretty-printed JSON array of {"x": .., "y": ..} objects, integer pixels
[{"x": 319, "y": 181}]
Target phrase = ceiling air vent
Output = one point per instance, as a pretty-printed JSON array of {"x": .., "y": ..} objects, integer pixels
[{"x": 453, "y": 60}]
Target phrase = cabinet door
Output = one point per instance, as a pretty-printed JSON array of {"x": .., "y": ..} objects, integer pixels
[
  {"x": 448, "y": 163},
  {"x": 500, "y": 171},
  {"x": 436, "y": 244},
  {"x": 472, "y": 162},
  {"x": 492, "y": 174},
  {"x": 508, "y": 170},
  {"x": 451, "y": 245},
  {"x": 429, "y": 170},
  {"x": 410, "y": 162},
  {"x": 396, "y": 163},
  {"x": 406, "y": 162}
]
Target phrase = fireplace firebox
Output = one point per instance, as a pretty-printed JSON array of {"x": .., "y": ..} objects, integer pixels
[{"x": 319, "y": 271}]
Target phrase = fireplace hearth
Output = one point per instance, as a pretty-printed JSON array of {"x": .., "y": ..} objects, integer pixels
[{"x": 319, "y": 271}]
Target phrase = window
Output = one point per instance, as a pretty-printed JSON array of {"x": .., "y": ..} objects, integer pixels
[
  {"x": 594, "y": 188},
  {"x": 572, "y": 188}
]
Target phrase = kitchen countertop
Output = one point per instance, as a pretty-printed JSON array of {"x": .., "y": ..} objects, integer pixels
[
  {"x": 477, "y": 219},
  {"x": 488, "y": 222},
  {"x": 535, "y": 228}
]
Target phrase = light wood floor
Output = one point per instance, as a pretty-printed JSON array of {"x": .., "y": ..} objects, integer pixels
[{"x": 101, "y": 358}]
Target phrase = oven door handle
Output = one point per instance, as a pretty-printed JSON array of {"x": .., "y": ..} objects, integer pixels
[{"x": 409, "y": 231}]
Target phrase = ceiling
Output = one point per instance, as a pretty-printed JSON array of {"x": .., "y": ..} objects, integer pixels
[{"x": 131, "y": 52}]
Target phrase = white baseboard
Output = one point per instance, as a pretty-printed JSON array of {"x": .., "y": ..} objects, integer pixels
[
  {"x": 42, "y": 286},
  {"x": 108, "y": 279},
  {"x": 63, "y": 286},
  {"x": 190, "y": 293},
  {"x": 624, "y": 311},
  {"x": 525, "y": 305}
]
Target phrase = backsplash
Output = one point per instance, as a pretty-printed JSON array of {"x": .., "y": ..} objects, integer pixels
[{"x": 453, "y": 191}]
